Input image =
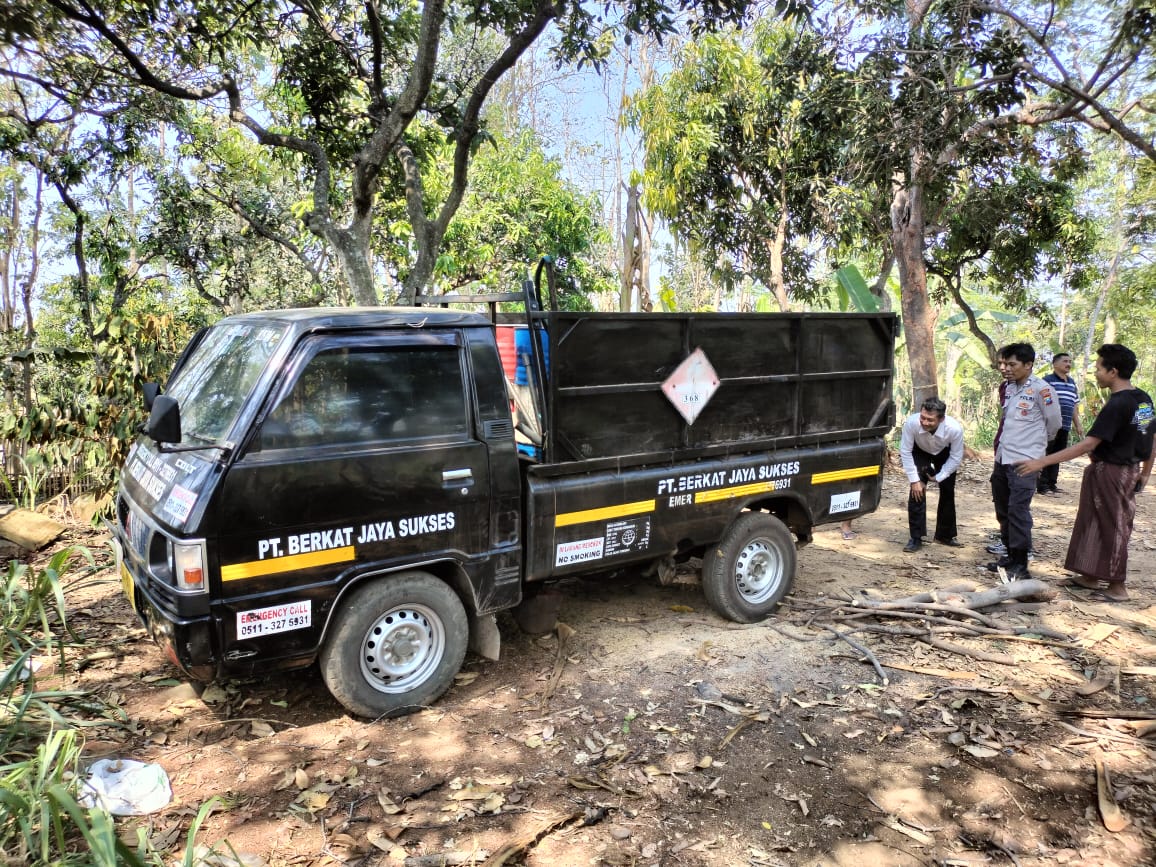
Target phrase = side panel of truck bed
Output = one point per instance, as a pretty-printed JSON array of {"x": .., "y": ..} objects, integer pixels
[
  {"x": 784, "y": 380},
  {"x": 612, "y": 517}
]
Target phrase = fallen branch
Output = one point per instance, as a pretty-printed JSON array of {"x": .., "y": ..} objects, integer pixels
[
  {"x": 933, "y": 672},
  {"x": 1023, "y": 632},
  {"x": 863, "y": 650},
  {"x": 1032, "y": 590},
  {"x": 1107, "y": 736},
  {"x": 997, "y": 658},
  {"x": 1097, "y": 713},
  {"x": 515, "y": 850},
  {"x": 564, "y": 634}
]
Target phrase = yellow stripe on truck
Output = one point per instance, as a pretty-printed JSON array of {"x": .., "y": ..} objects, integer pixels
[
  {"x": 567, "y": 519},
  {"x": 276, "y": 565},
  {"x": 843, "y": 475},
  {"x": 738, "y": 491}
]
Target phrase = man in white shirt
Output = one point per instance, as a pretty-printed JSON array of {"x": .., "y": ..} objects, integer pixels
[{"x": 931, "y": 449}]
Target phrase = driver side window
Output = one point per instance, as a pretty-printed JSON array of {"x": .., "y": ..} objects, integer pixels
[{"x": 368, "y": 395}]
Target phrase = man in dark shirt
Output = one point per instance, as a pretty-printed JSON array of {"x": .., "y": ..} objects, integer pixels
[{"x": 1120, "y": 443}]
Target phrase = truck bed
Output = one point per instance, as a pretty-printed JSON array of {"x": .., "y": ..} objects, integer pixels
[{"x": 784, "y": 381}]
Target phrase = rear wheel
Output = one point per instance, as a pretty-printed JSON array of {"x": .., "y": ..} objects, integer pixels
[
  {"x": 748, "y": 573},
  {"x": 396, "y": 645}
]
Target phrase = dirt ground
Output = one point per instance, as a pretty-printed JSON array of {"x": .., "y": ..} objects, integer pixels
[{"x": 656, "y": 733}]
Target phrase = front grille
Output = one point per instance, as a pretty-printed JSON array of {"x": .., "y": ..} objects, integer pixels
[{"x": 137, "y": 530}]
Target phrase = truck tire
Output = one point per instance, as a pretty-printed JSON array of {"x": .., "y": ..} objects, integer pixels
[
  {"x": 747, "y": 574},
  {"x": 396, "y": 645}
]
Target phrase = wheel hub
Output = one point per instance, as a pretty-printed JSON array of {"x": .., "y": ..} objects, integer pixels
[
  {"x": 402, "y": 648},
  {"x": 758, "y": 571}
]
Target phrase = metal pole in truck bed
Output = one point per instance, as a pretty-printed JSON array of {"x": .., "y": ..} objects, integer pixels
[{"x": 535, "y": 317}]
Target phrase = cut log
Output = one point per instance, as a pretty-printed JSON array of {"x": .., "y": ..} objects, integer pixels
[{"x": 1031, "y": 590}]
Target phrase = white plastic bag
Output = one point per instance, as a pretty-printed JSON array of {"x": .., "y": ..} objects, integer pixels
[{"x": 125, "y": 787}]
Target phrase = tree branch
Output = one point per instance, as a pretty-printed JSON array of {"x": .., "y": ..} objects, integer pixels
[{"x": 267, "y": 233}]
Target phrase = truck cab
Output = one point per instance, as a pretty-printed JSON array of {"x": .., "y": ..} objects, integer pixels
[{"x": 318, "y": 450}]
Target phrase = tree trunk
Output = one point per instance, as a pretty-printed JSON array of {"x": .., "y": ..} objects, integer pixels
[
  {"x": 635, "y": 256},
  {"x": 1094, "y": 318},
  {"x": 951, "y": 390},
  {"x": 629, "y": 237},
  {"x": 879, "y": 287},
  {"x": 918, "y": 317},
  {"x": 353, "y": 254},
  {"x": 419, "y": 274},
  {"x": 778, "y": 285}
]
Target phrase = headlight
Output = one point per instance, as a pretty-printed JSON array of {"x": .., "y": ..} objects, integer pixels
[{"x": 189, "y": 566}]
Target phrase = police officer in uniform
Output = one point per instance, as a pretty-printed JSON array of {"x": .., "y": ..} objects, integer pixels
[{"x": 1031, "y": 417}]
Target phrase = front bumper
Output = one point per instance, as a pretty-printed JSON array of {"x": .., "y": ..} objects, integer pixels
[{"x": 187, "y": 641}]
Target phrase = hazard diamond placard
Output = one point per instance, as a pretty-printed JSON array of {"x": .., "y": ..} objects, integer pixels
[{"x": 691, "y": 386}]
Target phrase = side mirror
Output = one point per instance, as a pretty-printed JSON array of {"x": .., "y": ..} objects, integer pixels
[
  {"x": 151, "y": 390},
  {"x": 164, "y": 424}
]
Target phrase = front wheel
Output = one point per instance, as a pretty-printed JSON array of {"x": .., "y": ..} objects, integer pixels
[
  {"x": 747, "y": 574},
  {"x": 396, "y": 645}
]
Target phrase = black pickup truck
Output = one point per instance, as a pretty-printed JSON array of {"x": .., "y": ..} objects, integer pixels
[{"x": 346, "y": 485}]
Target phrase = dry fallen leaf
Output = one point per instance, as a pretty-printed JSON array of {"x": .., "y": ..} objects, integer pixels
[
  {"x": 313, "y": 800},
  {"x": 472, "y": 794},
  {"x": 213, "y": 694},
  {"x": 1104, "y": 678},
  {"x": 262, "y": 729},
  {"x": 980, "y": 752},
  {"x": 1096, "y": 634},
  {"x": 301, "y": 779},
  {"x": 378, "y": 839},
  {"x": 387, "y": 803},
  {"x": 1114, "y": 818}
]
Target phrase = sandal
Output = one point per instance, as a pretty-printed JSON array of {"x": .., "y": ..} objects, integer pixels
[
  {"x": 1101, "y": 596},
  {"x": 1097, "y": 590},
  {"x": 848, "y": 535}
]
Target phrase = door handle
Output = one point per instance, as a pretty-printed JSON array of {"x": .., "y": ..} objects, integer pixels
[{"x": 462, "y": 475}]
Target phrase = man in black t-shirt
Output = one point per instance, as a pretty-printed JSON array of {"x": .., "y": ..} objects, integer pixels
[{"x": 1120, "y": 443}]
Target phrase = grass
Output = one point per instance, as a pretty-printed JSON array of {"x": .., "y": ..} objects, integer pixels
[{"x": 42, "y": 820}]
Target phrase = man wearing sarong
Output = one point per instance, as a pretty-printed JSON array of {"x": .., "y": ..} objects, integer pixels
[{"x": 1120, "y": 444}]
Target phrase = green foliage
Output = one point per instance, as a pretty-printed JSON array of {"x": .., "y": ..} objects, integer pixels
[
  {"x": 91, "y": 411},
  {"x": 1011, "y": 229},
  {"x": 518, "y": 209},
  {"x": 741, "y": 146},
  {"x": 854, "y": 293},
  {"x": 42, "y": 823}
]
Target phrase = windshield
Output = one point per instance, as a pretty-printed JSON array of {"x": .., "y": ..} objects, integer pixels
[{"x": 215, "y": 382}]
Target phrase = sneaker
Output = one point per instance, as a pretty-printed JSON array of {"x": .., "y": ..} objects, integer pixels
[
  {"x": 912, "y": 546},
  {"x": 997, "y": 548}
]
